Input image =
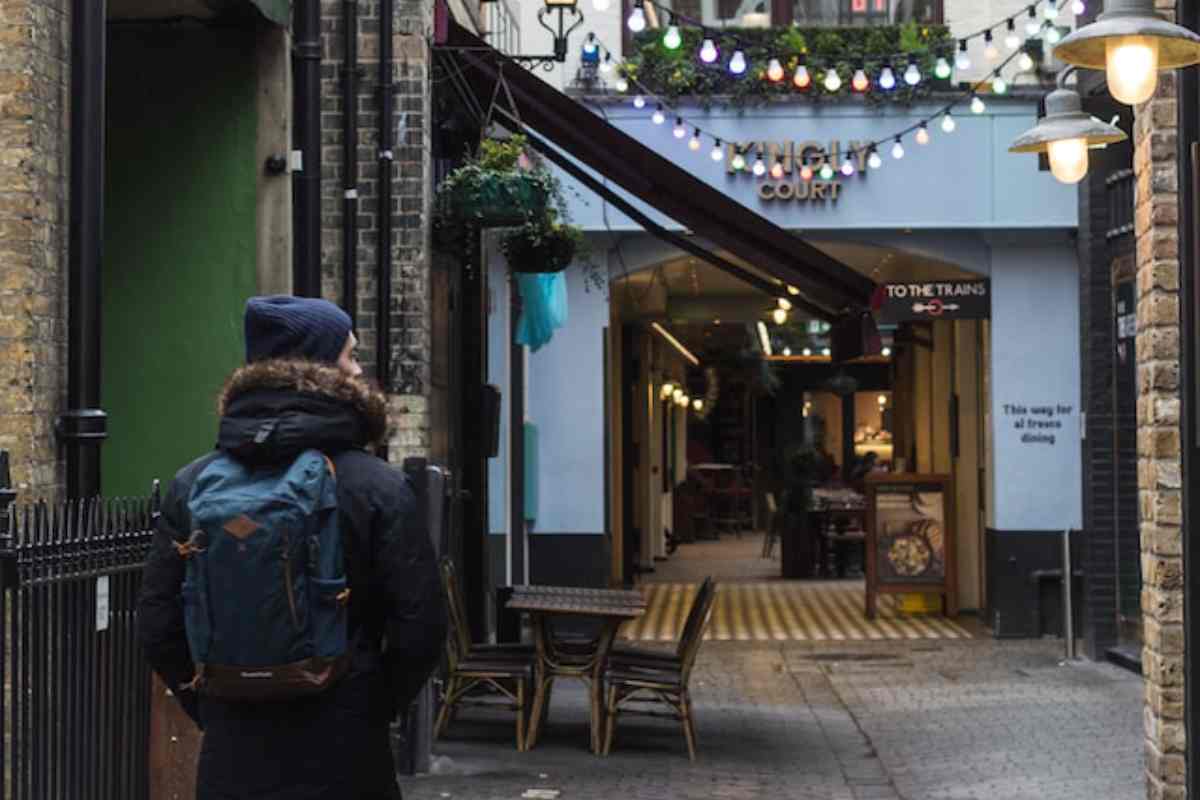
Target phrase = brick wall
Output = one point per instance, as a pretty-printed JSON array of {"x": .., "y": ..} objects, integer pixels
[
  {"x": 34, "y": 75},
  {"x": 1159, "y": 463},
  {"x": 411, "y": 181}
]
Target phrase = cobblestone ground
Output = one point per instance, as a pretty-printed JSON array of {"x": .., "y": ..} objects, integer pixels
[{"x": 975, "y": 719}]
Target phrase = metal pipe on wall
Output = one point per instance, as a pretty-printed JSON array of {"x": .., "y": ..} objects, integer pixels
[
  {"x": 306, "y": 165},
  {"x": 83, "y": 426},
  {"x": 350, "y": 158},
  {"x": 387, "y": 98}
]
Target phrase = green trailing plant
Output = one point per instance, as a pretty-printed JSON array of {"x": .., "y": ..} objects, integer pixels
[
  {"x": 673, "y": 74},
  {"x": 543, "y": 244},
  {"x": 496, "y": 189}
]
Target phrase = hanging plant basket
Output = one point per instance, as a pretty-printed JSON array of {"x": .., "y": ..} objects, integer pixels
[
  {"x": 499, "y": 199},
  {"x": 541, "y": 247}
]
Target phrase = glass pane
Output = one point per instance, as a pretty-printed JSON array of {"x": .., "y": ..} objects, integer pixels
[
  {"x": 864, "y": 12},
  {"x": 731, "y": 13}
]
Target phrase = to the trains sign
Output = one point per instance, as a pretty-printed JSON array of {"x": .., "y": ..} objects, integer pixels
[{"x": 934, "y": 300}]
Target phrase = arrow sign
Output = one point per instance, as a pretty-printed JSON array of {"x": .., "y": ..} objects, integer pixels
[{"x": 924, "y": 300}]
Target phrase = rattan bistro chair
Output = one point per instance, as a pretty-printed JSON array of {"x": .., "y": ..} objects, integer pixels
[
  {"x": 478, "y": 674},
  {"x": 638, "y": 681}
]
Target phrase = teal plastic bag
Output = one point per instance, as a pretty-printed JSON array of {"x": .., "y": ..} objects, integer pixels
[{"x": 543, "y": 307}]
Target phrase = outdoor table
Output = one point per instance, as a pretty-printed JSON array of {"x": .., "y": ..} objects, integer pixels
[
  {"x": 826, "y": 504},
  {"x": 584, "y": 660}
]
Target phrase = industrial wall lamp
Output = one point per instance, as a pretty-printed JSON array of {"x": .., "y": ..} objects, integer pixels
[{"x": 569, "y": 17}]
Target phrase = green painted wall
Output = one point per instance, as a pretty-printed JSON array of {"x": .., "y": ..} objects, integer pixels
[{"x": 179, "y": 257}]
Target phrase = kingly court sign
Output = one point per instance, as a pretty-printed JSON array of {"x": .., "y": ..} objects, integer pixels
[{"x": 797, "y": 166}]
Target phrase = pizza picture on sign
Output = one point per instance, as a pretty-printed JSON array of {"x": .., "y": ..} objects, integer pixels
[{"x": 912, "y": 541}]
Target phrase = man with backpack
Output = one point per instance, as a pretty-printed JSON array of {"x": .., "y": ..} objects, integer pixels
[{"x": 291, "y": 600}]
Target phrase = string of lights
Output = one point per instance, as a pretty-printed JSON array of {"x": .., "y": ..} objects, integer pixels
[
  {"x": 818, "y": 162},
  {"x": 738, "y": 63}
]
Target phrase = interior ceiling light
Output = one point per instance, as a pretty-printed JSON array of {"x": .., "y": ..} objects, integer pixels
[{"x": 678, "y": 345}]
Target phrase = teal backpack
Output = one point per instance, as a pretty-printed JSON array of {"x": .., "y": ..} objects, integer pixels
[{"x": 265, "y": 595}]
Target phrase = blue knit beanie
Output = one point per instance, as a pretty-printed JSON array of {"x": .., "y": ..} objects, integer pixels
[{"x": 282, "y": 326}]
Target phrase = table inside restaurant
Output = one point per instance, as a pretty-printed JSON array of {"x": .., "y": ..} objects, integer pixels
[{"x": 583, "y": 659}]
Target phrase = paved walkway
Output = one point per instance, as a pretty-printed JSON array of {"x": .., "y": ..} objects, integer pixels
[{"x": 930, "y": 720}]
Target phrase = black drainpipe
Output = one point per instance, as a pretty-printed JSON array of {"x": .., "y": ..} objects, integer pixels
[
  {"x": 350, "y": 159},
  {"x": 387, "y": 95},
  {"x": 84, "y": 425},
  {"x": 306, "y": 180}
]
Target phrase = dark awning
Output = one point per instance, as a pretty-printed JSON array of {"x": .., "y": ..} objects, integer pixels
[
  {"x": 278, "y": 11},
  {"x": 825, "y": 282}
]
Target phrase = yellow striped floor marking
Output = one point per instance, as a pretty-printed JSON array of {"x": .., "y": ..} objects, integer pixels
[{"x": 771, "y": 611}]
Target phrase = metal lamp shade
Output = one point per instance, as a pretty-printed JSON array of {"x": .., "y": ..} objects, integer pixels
[
  {"x": 1065, "y": 119},
  {"x": 1086, "y": 47}
]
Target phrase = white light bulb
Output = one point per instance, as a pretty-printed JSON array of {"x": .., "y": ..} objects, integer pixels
[
  {"x": 679, "y": 131},
  {"x": 1033, "y": 27},
  {"x": 1025, "y": 62},
  {"x": 912, "y": 75},
  {"x": 874, "y": 161},
  {"x": 1132, "y": 68},
  {"x": 898, "y": 150},
  {"x": 639, "y": 102},
  {"x": 775, "y": 71},
  {"x": 1012, "y": 41},
  {"x": 827, "y": 172},
  {"x": 601, "y": 5},
  {"x": 622, "y": 85},
  {"x": 708, "y": 51},
  {"x": 887, "y": 79},
  {"x": 1051, "y": 10},
  {"x": 694, "y": 142},
  {"x": 962, "y": 61},
  {"x": 833, "y": 81},
  {"x": 1078, "y": 7},
  {"x": 779, "y": 315},
  {"x": 847, "y": 168},
  {"x": 784, "y": 303},
  {"x": 738, "y": 162},
  {"x": 787, "y": 351},
  {"x": 606, "y": 65},
  {"x": 718, "y": 152},
  {"x": 885, "y": 352},
  {"x": 637, "y": 20},
  {"x": 942, "y": 69},
  {"x": 737, "y": 64},
  {"x": 792, "y": 290},
  {"x": 672, "y": 38},
  {"x": 1053, "y": 35},
  {"x": 999, "y": 85},
  {"x": 698, "y": 404},
  {"x": 948, "y": 124},
  {"x": 1069, "y": 159},
  {"x": 922, "y": 135},
  {"x": 977, "y": 105},
  {"x": 825, "y": 351},
  {"x": 658, "y": 117},
  {"x": 802, "y": 79},
  {"x": 760, "y": 168}
]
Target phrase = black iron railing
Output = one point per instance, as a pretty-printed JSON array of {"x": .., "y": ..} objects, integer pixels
[{"x": 74, "y": 687}]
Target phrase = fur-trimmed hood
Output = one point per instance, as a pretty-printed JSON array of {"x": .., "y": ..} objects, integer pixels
[{"x": 284, "y": 404}]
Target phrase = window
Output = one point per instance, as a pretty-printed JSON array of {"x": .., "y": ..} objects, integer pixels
[
  {"x": 865, "y": 12},
  {"x": 726, "y": 13}
]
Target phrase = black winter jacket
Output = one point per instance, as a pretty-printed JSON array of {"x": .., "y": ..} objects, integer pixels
[{"x": 333, "y": 745}]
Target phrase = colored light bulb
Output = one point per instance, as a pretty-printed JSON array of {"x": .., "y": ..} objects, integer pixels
[
  {"x": 848, "y": 167},
  {"x": 775, "y": 71},
  {"x": 738, "y": 162},
  {"x": 1025, "y": 62},
  {"x": 672, "y": 38},
  {"x": 802, "y": 79},
  {"x": 694, "y": 142},
  {"x": 806, "y": 173},
  {"x": 737, "y": 64},
  {"x": 708, "y": 51},
  {"x": 942, "y": 70},
  {"x": 827, "y": 172},
  {"x": 860, "y": 81},
  {"x": 977, "y": 105},
  {"x": 923, "y": 135},
  {"x": 777, "y": 170},
  {"x": 999, "y": 85}
]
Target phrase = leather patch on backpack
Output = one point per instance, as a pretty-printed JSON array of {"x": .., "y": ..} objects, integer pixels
[{"x": 240, "y": 527}]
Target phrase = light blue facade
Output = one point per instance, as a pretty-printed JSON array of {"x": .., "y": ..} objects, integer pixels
[{"x": 961, "y": 200}]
